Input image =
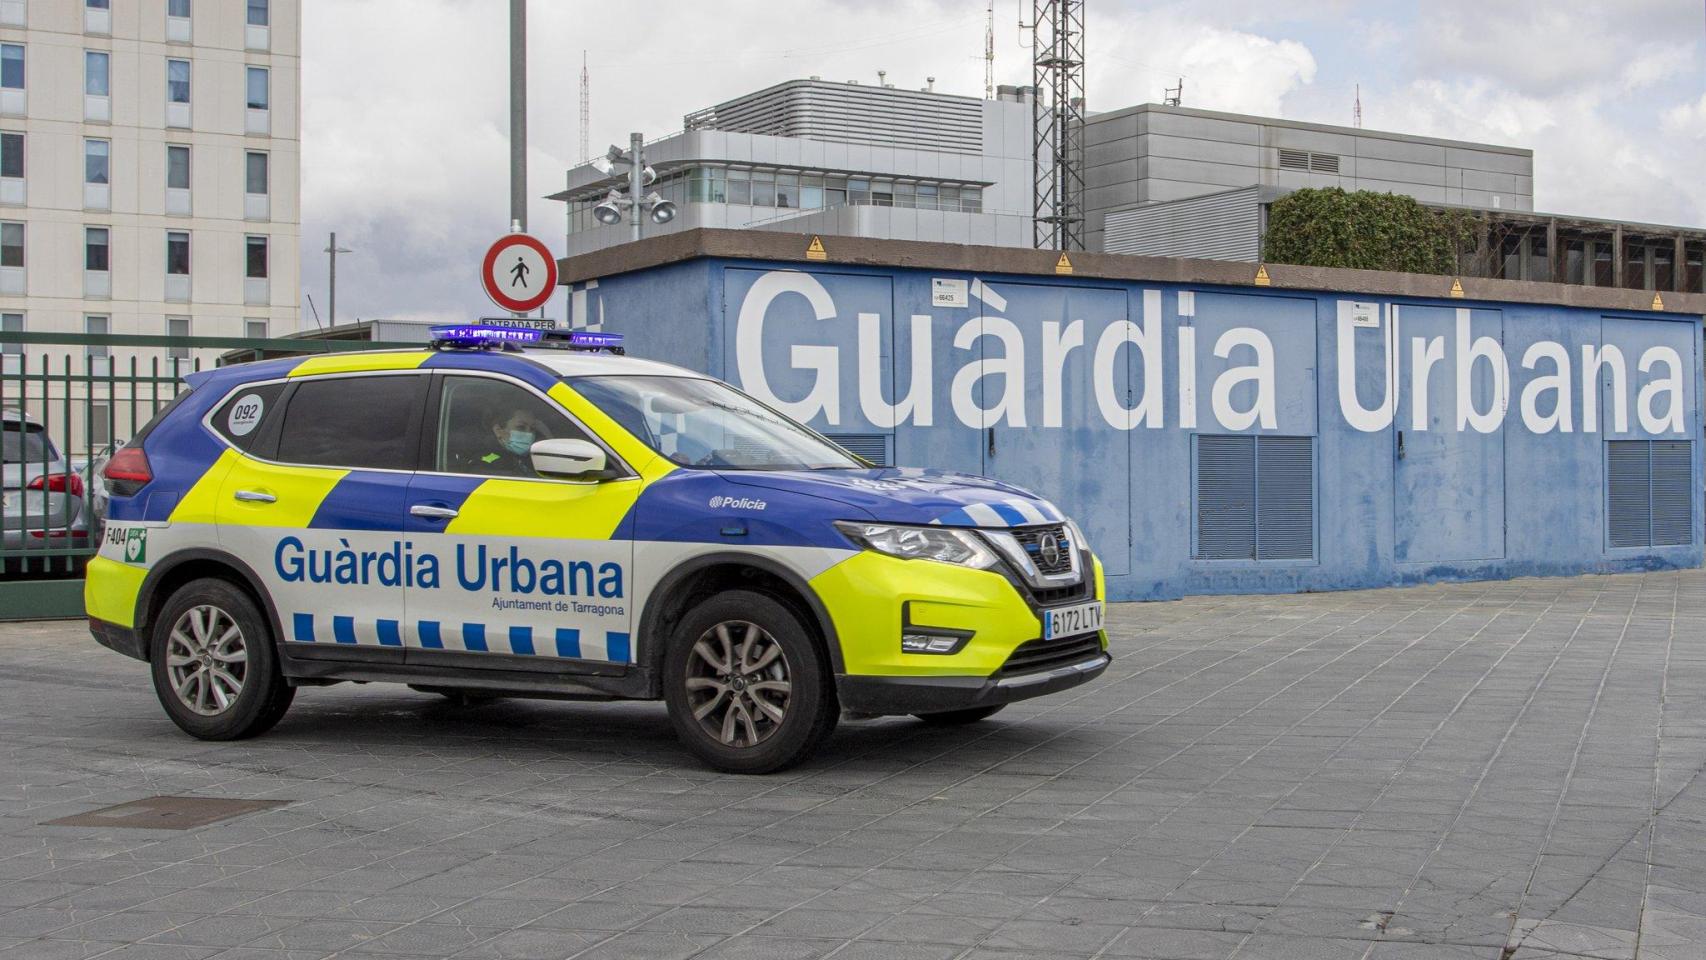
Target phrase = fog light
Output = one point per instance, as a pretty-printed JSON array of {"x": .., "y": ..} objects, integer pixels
[{"x": 926, "y": 643}]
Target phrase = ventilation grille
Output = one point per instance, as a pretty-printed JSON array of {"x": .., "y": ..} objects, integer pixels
[
  {"x": 1255, "y": 498},
  {"x": 1308, "y": 162},
  {"x": 1648, "y": 498},
  {"x": 871, "y": 446}
]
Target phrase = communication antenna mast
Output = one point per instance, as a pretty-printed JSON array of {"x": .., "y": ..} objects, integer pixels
[
  {"x": 989, "y": 54},
  {"x": 1057, "y": 111},
  {"x": 1356, "y": 112},
  {"x": 1174, "y": 96},
  {"x": 586, "y": 109}
]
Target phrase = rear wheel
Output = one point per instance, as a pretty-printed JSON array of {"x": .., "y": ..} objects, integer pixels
[
  {"x": 747, "y": 687},
  {"x": 214, "y": 664},
  {"x": 954, "y": 718}
]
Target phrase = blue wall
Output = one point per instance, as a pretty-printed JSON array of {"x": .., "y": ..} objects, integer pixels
[{"x": 1486, "y": 463}]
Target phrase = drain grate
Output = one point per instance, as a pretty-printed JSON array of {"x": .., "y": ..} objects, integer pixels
[{"x": 166, "y": 813}]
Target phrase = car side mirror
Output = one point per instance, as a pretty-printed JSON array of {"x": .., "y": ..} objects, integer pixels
[{"x": 567, "y": 458}]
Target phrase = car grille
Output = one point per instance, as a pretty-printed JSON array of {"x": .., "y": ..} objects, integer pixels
[
  {"x": 1054, "y": 596},
  {"x": 1031, "y": 539},
  {"x": 1037, "y": 656}
]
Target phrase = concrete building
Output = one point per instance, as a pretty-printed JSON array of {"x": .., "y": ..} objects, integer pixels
[
  {"x": 844, "y": 159},
  {"x": 1152, "y": 153},
  {"x": 1324, "y": 429},
  {"x": 149, "y": 170}
]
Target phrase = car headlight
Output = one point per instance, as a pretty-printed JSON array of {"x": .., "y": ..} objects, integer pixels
[
  {"x": 942, "y": 544},
  {"x": 1078, "y": 539}
]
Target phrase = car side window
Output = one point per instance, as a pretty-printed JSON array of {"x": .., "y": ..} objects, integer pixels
[
  {"x": 358, "y": 422},
  {"x": 240, "y": 419},
  {"x": 486, "y": 427}
]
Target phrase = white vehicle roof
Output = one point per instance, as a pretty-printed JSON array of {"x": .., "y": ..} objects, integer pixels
[{"x": 578, "y": 363}]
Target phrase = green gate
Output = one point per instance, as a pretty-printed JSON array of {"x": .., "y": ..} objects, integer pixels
[{"x": 67, "y": 401}]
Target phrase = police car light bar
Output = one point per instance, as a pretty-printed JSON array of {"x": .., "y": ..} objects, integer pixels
[{"x": 489, "y": 336}]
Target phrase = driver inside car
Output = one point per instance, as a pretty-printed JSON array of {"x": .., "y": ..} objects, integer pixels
[{"x": 501, "y": 447}]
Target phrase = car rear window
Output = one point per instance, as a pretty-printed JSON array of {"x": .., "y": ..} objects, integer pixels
[
  {"x": 26, "y": 443},
  {"x": 242, "y": 418}
]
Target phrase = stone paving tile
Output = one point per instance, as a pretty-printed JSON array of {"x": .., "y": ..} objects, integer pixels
[{"x": 1489, "y": 770}]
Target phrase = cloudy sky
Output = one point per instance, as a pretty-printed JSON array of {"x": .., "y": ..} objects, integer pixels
[{"x": 405, "y": 112}]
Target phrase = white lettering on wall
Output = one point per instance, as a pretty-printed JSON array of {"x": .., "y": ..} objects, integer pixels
[
  {"x": 920, "y": 396},
  {"x": 825, "y": 394},
  {"x": 1009, "y": 405},
  {"x": 1592, "y": 360},
  {"x": 1558, "y": 382},
  {"x": 1366, "y": 419},
  {"x": 990, "y": 389},
  {"x": 1424, "y": 353},
  {"x": 1481, "y": 348},
  {"x": 1261, "y": 373},
  {"x": 1671, "y": 384}
]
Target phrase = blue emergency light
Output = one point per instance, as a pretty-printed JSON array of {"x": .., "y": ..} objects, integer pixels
[{"x": 488, "y": 336}]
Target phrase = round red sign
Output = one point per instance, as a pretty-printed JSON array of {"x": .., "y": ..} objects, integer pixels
[{"x": 519, "y": 273}]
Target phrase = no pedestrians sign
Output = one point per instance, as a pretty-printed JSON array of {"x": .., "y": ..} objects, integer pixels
[{"x": 519, "y": 273}]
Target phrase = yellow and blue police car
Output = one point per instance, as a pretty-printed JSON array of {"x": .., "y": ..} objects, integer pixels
[{"x": 523, "y": 513}]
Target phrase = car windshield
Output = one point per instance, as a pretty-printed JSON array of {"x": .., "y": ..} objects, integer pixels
[
  {"x": 25, "y": 444},
  {"x": 704, "y": 423}
]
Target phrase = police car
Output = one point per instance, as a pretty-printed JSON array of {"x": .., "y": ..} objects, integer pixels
[{"x": 523, "y": 513}]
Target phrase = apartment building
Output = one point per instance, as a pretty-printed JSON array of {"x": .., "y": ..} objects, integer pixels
[{"x": 149, "y": 171}]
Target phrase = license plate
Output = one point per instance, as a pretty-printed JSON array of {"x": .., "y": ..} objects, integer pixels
[{"x": 1072, "y": 621}]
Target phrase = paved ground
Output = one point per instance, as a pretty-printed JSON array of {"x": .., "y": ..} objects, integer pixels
[{"x": 1478, "y": 771}]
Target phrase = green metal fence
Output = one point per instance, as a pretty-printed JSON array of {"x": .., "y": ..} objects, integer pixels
[{"x": 67, "y": 401}]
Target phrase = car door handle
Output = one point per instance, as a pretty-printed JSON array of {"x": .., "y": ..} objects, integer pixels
[
  {"x": 255, "y": 496},
  {"x": 432, "y": 512}
]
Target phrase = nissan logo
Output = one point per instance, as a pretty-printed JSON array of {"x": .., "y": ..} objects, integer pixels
[{"x": 1049, "y": 546}]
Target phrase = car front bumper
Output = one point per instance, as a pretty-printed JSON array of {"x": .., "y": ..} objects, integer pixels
[{"x": 902, "y": 695}]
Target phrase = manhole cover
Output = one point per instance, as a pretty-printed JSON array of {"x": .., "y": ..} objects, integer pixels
[{"x": 166, "y": 813}]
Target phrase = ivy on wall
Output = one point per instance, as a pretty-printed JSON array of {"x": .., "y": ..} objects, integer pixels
[{"x": 1364, "y": 230}]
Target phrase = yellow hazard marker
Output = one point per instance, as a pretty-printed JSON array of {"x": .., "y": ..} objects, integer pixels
[
  {"x": 815, "y": 250},
  {"x": 1262, "y": 276},
  {"x": 1064, "y": 264},
  {"x": 1658, "y": 301},
  {"x": 1457, "y": 288}
]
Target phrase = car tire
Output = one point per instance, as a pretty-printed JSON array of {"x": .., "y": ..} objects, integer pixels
[
  {"x": 747, "y": 684},
  {"x": 217, "y": 684},
  {"x": 956, "y": 718}
]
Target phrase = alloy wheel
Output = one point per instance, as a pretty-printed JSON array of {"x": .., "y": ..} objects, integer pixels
[
  {"x": 738, "y": 683},
  {"x": 207, "y": 660}
]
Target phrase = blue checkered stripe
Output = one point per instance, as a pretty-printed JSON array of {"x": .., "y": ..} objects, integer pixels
[
  {"x": 466, "y": 637},
  {"x": 1004, "y": 513}
]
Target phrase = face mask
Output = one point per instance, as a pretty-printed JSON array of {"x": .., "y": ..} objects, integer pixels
[{"x": 519, "y": 441}]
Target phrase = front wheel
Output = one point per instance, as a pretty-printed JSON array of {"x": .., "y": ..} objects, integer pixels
[
  {"x": 747, "y": 687},
  {"x": 214, "y": 665}
]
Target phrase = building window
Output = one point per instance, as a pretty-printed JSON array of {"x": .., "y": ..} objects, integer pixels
[
  {"x": 1664, "y": 266},
  {"x": 97, "y": 68},
  {"x": 258, "y": 13},
  {"x": 100, "y": 424},
  {"x": 1635, "y": 265},
  {"x": 12, "y": 66},
  {"x": 1602, "y": 272},
  {"x": 177, "y": 327},
  {"x": 257, "y": 88},
  {"x": 256, "y": 180},
  {"x": 98, "y": 4},
  {"x": 1255, "y": 498},
  {"x": 97, "y": 157},
  {"x": 1649, "y": 499},
  {"x": 12, "y": 323},
  {"x": 255, "y": 328},
  {"x": 178, "y": 252},
  {"x": 95, "y": 250},
  {"x": 1694, "y": 270},
  {"x": 96, "y": 325},
  {"x": 1575, "y": 261},
  {"x": 11, "y": 245},
  {"x": 178, "y": 8},
  {"x": 177, "y": 167},
  {"x": 177, "y": 81},
  {"x": 255, "y": 263},
  {"x": 12, "y": 155}
]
